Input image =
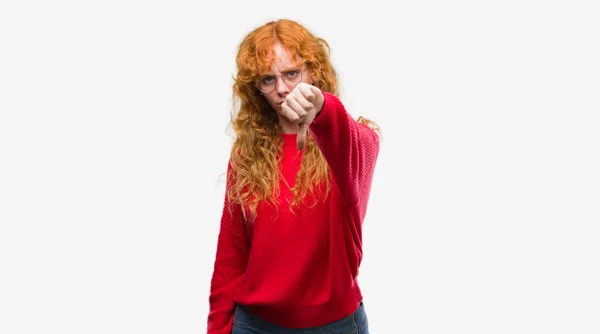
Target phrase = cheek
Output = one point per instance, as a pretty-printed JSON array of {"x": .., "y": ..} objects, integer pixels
[{"x": 270, "y": 98}]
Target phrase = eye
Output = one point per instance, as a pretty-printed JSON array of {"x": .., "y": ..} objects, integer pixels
[
  {"x": 292, "y": 73},
  {"x": 268, "y": 80}
]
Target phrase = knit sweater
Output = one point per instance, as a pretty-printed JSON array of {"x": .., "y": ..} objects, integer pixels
[{"x": 299, "y": 269}]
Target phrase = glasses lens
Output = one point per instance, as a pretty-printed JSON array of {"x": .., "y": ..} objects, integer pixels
[
  {"x": 292, "y": 78},
  {"x": 264, "y": 86}
]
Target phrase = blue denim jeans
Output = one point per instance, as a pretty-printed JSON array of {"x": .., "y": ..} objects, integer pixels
[{"x": 244, "y": 322}]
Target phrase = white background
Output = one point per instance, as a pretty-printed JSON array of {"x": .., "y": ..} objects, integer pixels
[{"x": 485, "y": 206}]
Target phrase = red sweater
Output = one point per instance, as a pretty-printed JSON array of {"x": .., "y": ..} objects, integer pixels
[{"x": 300, "y": 269}]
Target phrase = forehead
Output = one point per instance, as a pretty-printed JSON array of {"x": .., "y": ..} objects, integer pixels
[{"x": 281, "y": 58}]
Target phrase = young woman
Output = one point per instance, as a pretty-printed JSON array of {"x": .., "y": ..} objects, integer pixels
[{"x": 298, "y": 184}]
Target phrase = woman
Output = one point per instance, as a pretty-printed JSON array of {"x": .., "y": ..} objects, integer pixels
[{"x": 298, "y": 183}]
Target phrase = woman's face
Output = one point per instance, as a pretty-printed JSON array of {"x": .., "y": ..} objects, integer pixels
[{"x": 286, "y": 72}]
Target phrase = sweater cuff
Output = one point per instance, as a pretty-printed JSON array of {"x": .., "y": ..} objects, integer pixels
[{"x": 325, "y": 112}]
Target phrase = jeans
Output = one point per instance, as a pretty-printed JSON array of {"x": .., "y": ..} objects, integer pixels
[{"x": 245, "y": 322}]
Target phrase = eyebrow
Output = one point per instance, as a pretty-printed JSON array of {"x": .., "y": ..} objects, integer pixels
[{"x": 285, "y": 69}]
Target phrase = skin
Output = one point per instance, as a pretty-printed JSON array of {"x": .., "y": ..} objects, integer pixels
[{"x": 297, "y": 106}]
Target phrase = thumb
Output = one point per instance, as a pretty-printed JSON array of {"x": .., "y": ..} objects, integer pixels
[{"x": 301, "y": 138}]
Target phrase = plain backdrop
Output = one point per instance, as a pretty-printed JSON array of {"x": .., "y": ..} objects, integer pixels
[{"x": 485, "y": 206}]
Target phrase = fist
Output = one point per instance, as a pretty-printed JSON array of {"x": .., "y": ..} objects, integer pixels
[{"x": 300, "y": 107}]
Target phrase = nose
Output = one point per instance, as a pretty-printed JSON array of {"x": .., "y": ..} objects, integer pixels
[{"x": 281, "y": 87}]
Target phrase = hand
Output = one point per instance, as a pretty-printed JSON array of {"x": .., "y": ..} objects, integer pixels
[{"x": 301, "y": 106}]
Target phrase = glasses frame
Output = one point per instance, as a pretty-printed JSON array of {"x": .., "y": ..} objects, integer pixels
[{"x": 277, "y": 81}]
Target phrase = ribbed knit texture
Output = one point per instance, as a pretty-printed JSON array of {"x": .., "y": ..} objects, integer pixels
[{"x": 300, "y": 269}]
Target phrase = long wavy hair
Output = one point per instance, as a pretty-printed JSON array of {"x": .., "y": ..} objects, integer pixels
[{"x": 257, "y": 149}]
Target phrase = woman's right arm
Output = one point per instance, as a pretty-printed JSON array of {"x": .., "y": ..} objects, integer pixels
[{"x": 233, "y": 248}]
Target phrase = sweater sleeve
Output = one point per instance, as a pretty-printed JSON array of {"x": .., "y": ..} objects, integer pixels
[
  {"x": 229, "y": 266},
  {"x": 351, "y": 150}
]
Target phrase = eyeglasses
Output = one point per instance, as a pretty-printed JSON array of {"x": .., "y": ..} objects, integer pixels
[{"x": 292, "y": 77}]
